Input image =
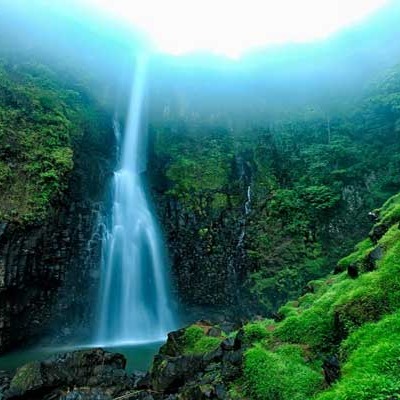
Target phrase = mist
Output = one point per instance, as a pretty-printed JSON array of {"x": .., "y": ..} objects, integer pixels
[{"x": 263, "y": 82}]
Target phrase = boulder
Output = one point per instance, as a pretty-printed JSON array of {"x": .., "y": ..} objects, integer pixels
[
  {"x": 170, "y": 373},
  {"x": 378, "y": 231},
  {"x": 374, "y": 256},
  {"x": 84, "y": 368}
]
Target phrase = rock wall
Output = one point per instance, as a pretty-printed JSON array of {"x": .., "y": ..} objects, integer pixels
[
  {"x": 205, "y": 245},
  {"x": 49, "y": 270}
]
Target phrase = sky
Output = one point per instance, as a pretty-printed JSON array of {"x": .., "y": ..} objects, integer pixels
[{"x": 232, "y": 28}]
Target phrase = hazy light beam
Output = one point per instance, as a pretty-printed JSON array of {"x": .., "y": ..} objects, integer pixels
[{"x": 232, "y": 27}]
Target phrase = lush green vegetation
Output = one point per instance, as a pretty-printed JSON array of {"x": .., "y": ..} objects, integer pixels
[
  {"x": 195, "y": 341},
  {"x": 43, "y": 116},
  {"x": 314, "y": 174},
  {"x": 282, "y": 374},
  {"x": 353, "y": 319},
  {"x": 356, "y": 319}
]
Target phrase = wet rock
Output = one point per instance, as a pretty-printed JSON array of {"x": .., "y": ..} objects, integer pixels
[
  {"x": 27, "y": 379},
  {"x": 5, "y": 380},
  {"x": 198, "y": 376},
  {"x": 170, "y": 373},
  {"x": 202, "y": 242},
  {"x": 174, "y": 344},
  {"x": 48, "y": 268},
  {"x": 228, "y": 344},
  {"x": 374, "y": 256},
  {"x": 378, "y": 231},
  {"x": 3, "y": 226},
  {"x": 239, "y": 339},
  {"x": 88, "y": 394},
  {"x": 352, "y": 271},
  {"x": 214, "y": 332},
  {"x": 331, "y": 368},
  {"x": 96, "y": 368},
  {"x": 141, "y": 380}
]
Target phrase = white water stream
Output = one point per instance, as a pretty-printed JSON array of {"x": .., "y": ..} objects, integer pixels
[{"x": 134, "y": 297}]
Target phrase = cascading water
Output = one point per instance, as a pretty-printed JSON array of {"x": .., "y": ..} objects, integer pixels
[{"x": 134, "y": 295}]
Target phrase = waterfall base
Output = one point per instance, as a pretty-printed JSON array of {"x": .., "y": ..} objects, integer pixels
[{"x": 139, "y": 356}]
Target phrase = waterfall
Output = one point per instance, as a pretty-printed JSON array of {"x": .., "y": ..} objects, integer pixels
[
  {"x": 134, "y": 294},
  {"x": 247, "y": 205}
]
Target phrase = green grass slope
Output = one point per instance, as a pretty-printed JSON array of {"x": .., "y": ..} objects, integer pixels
[{"x": 353, "y": 316}]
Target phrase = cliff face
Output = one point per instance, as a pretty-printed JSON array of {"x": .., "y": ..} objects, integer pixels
[
  {"x": 201, "y": 203},
  {"x": 206, "y": 252},
  {"x": 49, "y": 268},
  {"x": 251, "y": 213},
  {"x": 57, "y": 152}
]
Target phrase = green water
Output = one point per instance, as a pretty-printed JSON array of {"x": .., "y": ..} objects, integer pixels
[{"x": 139, "y": 357}]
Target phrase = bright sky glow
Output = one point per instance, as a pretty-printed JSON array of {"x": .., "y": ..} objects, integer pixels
[{"x": 231, "y": 27}]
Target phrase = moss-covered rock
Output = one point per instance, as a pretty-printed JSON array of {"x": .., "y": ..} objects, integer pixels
[
  {"x": 27, "y": 379},
  {"x": 355, "y": 317},
  {"x": 43, "y": 116},
  {"x": 90, "y": 369}
]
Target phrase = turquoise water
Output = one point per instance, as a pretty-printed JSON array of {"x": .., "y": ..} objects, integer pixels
[{"x": 139, "y": 357}]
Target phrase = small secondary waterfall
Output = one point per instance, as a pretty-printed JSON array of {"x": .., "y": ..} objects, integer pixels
[{"x": 134, "y": 294}]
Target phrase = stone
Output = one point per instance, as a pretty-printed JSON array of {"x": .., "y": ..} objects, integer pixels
[
  {"x": 169, "y": 373},
  {"x": 47, "y": 268},
  {"x": 96, "y": 368},
  {"x": 214, "y": 332},
  {"x": 378, "y": 231},
  {"x": 228, "y": 344},
  {"x": 331, "y": 368},
  {"x": 374, "y": 256},
  {"x": 352, "y": 271},
  {"x": 91, "y": 394}
]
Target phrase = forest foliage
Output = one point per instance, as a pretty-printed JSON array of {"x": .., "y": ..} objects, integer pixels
[
  {"x": 43, "y": 117},
  {"x": 338, "y": 341},
  {"x": 314, "y": 175}
]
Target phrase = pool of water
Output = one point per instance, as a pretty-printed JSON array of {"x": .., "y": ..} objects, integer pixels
[{"x": 139, "y": 356}]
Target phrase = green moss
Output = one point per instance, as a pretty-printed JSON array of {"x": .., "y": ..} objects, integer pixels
[
  {"x": 390, "y": 211},
  {"x": 28, "y": 377},
  {"x": 255, "y": 331},
  {"x": 280, "y": 375},
  {"x": 197, "y": 342},
  {"x": 357, "y": 318},
  {"x": 289, "y": 309},
  {"x": 205, "y": 345},
  {"x": 42, "y": 117},
  {"x": 199, "y": 167},
  {"x": 342, "y": 306},
  {"x": 362, "y": 250},
  {"x": 371, "y": 370}
]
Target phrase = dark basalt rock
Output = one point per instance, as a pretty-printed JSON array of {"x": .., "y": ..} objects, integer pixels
[
  {"x": 88, "y": 394},
  {"x": 170, "y": 373},
  {"x": 174, "y": 345},
  {"x": 49, "y": 269},
  {"x": 197, "y": 377},
  {"x": 5, "y": 380},
  {"x": 374, "y": 256},
  {"x": 331, "y": 368},
  {"x": 352, "y": 271},
  {"x": 214, "y": 332},
  {"x": 378, "y": 231},
  {"x": 207, "y": 255},
  {"x": 101, "y": 374}
]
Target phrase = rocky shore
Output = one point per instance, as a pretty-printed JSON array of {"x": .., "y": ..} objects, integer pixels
[{"x": 178, "y": 372}]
